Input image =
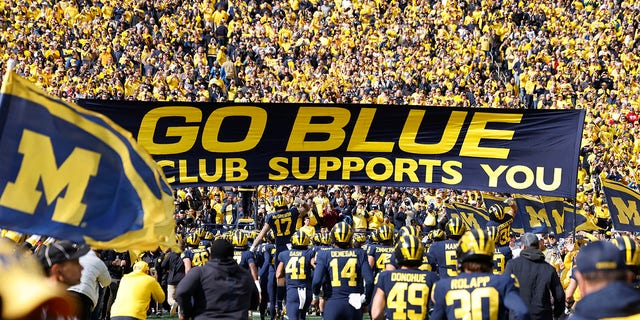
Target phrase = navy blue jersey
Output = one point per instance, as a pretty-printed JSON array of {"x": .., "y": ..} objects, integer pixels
[
  {"x": 381, "y": 256},
  {"x": 446, "y": 258},
  {"x": 283, "y": 224},
  {"x": 407, "y": 292},
  {"x": 346, "y": 271},
  {"x": 478, "y": 296},
  {"x": 198, "y": 256},
  {"x": 297, "y": 267},
  {"x": 244, "y": 258},
  {"x": 269, "y": 258},
  {"x": 316, "y": 249},
  {"x": 504, "y": 230},
  {"x": 205, "y": 244},
  {"x": 263, "y": 259},
  {"x": 501, "y": 255}
]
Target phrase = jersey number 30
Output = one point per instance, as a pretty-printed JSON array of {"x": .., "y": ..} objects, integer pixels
[{"x": 471, "y": 303}]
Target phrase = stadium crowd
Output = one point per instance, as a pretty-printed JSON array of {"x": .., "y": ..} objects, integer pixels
[{"x": 497, "y": 54}]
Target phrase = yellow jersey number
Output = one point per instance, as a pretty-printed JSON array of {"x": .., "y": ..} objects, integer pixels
[
  {"x": 200, "y": 258},
  {"x": 471, "y": 303},
  {"x": 404, "y": 294},
  {"x": 504, "y": 234},
  {"x": 383, "y": 260},
  {"x": 348, "y": 272},
  {"x": 498, "y": 263},
  {"x": 451, "y": 263},
  {"x": 283, "y": 226},
  {"x": 295, "y": 268}
]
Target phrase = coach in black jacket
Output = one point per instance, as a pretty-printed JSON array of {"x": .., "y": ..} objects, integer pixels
[
  {"x": 218, "y": 290},
  {"x": 540, "y": 286}
]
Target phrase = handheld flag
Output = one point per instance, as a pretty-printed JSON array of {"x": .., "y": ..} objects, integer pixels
[
  {"x": 623, "y": 205},
  {"x": 473, "y": 217},
  {"x": 73, "y": 174}
]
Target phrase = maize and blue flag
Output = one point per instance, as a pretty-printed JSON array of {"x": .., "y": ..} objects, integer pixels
[
  {"x": 473, "y": 217},
  {"x": 73, "y": 174},
  {"x": 541, "y": 215},
  {"x": 623, "y": 205},
  {"x": 545, "y": 214}
]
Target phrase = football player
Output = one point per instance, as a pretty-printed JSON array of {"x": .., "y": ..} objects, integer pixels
[
  {"x": 444, "y": 252},
  {"x": 477, "y": 293},
  {"x": 428, "y": 261},
  {"x": 502, "y": 254},
  {"x": 205, "y": 241},
  {"x": 321, "y": 241},
  {"x": 296, "y": 267},
  {"x": 404, "y": 293},
  {"x": 379, "y": 254},
  {"x": 193, "y": 255},
  {"x": 244, "y": 257},
  {"x": 360, "y": 241},
  {"x": 502, "y": 218},
  {"x": 347, "y": 271},
  {"x": 264, "y": 265},
  {"x": 631, "y": 252},
  {"x": 283, "y": 223}
]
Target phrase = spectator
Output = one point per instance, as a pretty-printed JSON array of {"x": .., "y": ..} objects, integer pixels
[
  {"x": 25, "y": 291},
  {"x": 540, "y": 286},
  {"x": 601, "y": 276},
  {"x": 117, "y": 263},
  {"x": 95, "y": 275},
  {"x": 175, "y": 266},
  {"x": 61, "y": 261},
  {"x": 135, "y": 292},
  {"x": 218, "y": 290},
  {"x": 399, "y": 218}
]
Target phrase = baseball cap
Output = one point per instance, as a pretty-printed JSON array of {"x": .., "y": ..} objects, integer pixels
[
  {"x": 529, "y": 240},
  {"x": 599, "y": 255},
  {"x": 61, "y": 251},
  {"x": 24, "y": 287},
  {"x": 221, "y": 249}
]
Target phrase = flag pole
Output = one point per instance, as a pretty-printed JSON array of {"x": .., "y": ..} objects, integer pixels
[{"x": 575, "y": 212}]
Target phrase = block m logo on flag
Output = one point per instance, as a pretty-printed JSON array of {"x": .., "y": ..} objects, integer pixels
[
  {"x": 39, "y": 165},
  {"x": 73, "y": 174},
  {"x": 623, "y": 205}
]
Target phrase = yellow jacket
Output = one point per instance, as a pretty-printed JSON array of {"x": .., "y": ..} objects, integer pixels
[{"x": 135, "y": 292}]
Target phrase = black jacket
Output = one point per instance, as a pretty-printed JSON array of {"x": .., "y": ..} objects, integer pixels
[
  {"x": 174, "y": 264},
  {"x": 539, "y": 283},
  {"x": 218, "y": 290}
]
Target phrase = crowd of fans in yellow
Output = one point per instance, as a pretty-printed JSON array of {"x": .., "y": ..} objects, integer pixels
[
  {"x": 538, "y": 54},
  {"x": 496, "y": 54}
]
